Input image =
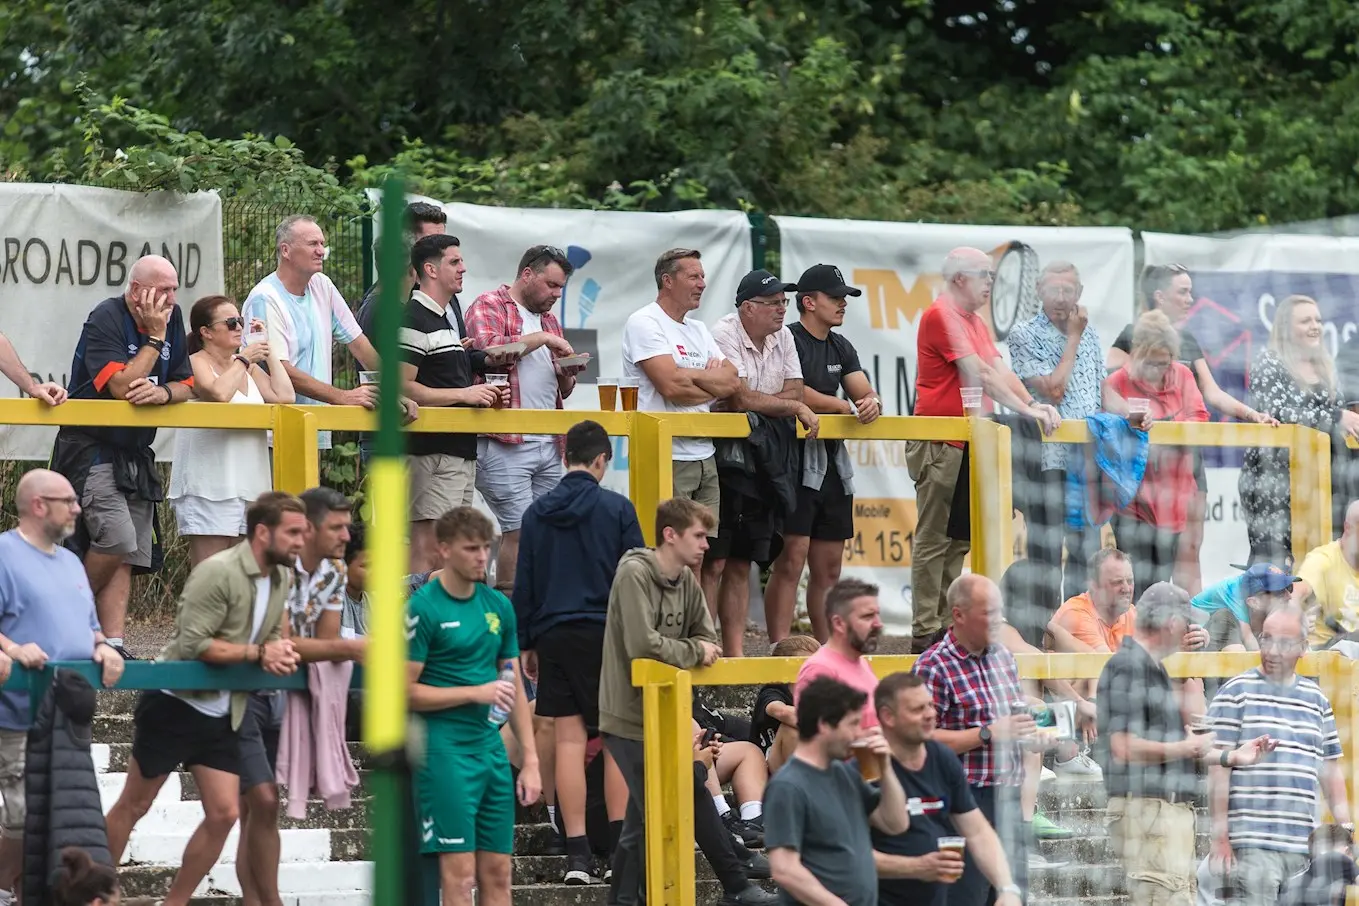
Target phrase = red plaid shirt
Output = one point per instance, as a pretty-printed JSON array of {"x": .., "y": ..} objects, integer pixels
[
  {"x": 973, "y": 690},
  {"x": 494, "y": 320}
]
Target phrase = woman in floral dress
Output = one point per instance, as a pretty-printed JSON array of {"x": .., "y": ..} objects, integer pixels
[{"x": 1293, "y": 380}]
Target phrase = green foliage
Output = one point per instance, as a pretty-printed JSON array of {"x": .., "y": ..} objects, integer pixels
[{"x": 1153, "y": 113}]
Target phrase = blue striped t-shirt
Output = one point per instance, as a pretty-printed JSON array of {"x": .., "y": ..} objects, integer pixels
[{"x": 1273, "y": 805}]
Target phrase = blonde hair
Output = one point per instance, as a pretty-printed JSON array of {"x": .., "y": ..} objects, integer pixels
[
  {"x": 1282, "y": 344},
  {"x": 795, "y": 645},
  {"x": 1153, "y": 330}
]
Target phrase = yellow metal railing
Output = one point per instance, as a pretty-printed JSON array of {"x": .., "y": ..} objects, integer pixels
[
  {"x": 668, "y": 745},
  {"x": 1309, "y": 464}
]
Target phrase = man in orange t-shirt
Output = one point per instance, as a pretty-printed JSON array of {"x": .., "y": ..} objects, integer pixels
[
  {"x": 954, "y": 349},
  {"x": 1101, "y": 617}
]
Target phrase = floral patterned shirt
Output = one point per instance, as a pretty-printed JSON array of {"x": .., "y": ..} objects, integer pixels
[
  {"x": 1036, "y": 348},
  {"x": 314, "y": 594}
]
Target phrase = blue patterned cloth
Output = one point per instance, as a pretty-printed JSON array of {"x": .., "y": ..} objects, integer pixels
[
  {"x": 1036, "y": 347},
  {"x": 1119, "y": 453}
]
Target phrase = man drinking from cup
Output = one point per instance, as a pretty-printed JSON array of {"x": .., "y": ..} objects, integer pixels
[
  {"x": 918, "y": 866},
  {"x": 973, "y": 680},
  {"x": 818, "y": 809}
]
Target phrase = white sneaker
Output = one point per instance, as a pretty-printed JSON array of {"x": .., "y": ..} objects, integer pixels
[
  {"x": 1046, "y": 774},
  {"x": 1037, "y": 862},
  {"x": 1079, "y": 767}
]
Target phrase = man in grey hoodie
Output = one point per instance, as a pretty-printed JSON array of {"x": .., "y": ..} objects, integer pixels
[{"x": 657, "y": 610}]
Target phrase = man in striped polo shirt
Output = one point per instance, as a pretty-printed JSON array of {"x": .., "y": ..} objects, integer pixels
[{"x": 1263, "y": 813}]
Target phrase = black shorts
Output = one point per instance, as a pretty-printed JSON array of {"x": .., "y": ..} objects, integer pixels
[
  {"x": 570, "y": 656},
  {"x": 744, "y": 531},
  {"x": 257, "y": 740},
  {"x": 168, "y": 732},
  {"x": 824, "y": 515}
]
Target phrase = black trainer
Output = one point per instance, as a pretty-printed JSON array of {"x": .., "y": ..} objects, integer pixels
[
  {"x": 751, "y": 834},
  {"x": 757, "y": 867},
  {"x": 753, "y": 895},
  {"x": 579, "y": 871}
]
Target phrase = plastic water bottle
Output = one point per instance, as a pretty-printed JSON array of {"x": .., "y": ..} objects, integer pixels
[{"x": 498, "y": 714}]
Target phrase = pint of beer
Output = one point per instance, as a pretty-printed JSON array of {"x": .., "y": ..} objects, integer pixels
[
  {"x": 627, "y": 389},
  {"x": 870, "y": 766},
  {"x": 608, "y": 393},
  {"x": 957, "y": 845}
]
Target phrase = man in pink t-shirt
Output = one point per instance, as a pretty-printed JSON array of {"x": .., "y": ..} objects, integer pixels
[{"x": 853, "y": 612}]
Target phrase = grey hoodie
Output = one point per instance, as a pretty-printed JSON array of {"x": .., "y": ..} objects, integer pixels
[{"x": 649, "y": 617}]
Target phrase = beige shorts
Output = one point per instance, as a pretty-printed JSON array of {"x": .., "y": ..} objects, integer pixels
[
  {"x": 697, "y": 481},
  {"x": 439, "y": 482},
  {"x": 1155, "y": 839},
  {"x": 13, "y": 750}
]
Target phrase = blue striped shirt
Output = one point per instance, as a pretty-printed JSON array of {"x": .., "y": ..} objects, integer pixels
[{"x": 1273, "y": 805}]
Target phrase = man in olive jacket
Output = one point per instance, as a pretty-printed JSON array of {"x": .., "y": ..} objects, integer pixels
[
  {"x": 656, "y": 610},
  {"x": 230, "y": 612}
]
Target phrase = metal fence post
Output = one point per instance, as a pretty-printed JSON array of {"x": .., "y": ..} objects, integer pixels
[
  {"x": 667, "y": 747},
  {"x": 295, "y": 432},
  {"x": 992, "y": 503},
  {"x": 759, "y": 238},
  {"x": 1309, "y": 485},
  {"x": 650, "y": 477}
]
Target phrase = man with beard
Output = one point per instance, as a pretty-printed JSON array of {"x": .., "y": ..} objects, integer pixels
[
  {"x": 855, "y": 626},
  {"x": 462, "y": 636},
  {"x": 912, "y": 869},
  {"x": 818, "y": 808},
  {"x": 230, "y": 612},
  {"x": 513, "y": 470},
  {"x": 975, "y": 684},
  {"x": 954, "y": 350},
  {"x": 814, "y": 534},
  {"x": 46, "y": 613}
]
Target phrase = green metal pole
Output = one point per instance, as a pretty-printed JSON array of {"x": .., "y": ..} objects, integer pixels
[{"x": 384, "y": 725}]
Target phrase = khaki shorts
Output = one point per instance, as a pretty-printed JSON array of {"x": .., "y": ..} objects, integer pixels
[
  {"x": 697, "y": 481},
  {"x": 118, "y": 524},
  {"x": 13, "y": 750},
  {"x": 439, "y": 482},
  {"x": 1155, "y": 840}
]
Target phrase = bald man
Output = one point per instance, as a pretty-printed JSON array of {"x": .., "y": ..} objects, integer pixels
[
  {"x": 131, "y": 348},
  {"x": 954, "y": 349},
  {"x": 46, "y": 613},
  {"x": 1273, "y": 805}
]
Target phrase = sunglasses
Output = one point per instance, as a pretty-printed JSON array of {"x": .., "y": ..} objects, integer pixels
[
  {"x": 547, "y": 253},
  {"x": 984, "y": 274},
  {"x": 232, "y": 323}
]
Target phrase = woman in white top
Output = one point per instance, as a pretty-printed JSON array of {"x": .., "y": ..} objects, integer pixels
[{"x": 218, "y": 472}]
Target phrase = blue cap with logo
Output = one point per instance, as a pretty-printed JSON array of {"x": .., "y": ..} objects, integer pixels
[{"x": 1265, "y": 579}]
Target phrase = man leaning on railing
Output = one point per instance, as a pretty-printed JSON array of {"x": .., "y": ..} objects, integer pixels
[
  {"x": 231, "y": 612},
  {"x": 133, "y": 347},
  {"x": 46, "y": 613}
]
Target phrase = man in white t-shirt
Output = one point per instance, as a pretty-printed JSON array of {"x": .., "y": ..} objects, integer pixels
[
  {"x": 513, "y": 470},
  {"x": 679, "y": 368},
  {"x": 305, "y": 314}
]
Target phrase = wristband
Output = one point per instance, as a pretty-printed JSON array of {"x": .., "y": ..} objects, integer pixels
[
  {"x": 155, "y": 343},
  {"x": 169, "y": 394},
  {"x": 1225, "y": 759},
  {"x": 242, "y": 359}
]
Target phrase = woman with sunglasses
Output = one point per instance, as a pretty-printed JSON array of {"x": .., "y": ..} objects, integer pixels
[
  {"x": 1168, "y": 288},
  {"x": 218, "y": 472}
]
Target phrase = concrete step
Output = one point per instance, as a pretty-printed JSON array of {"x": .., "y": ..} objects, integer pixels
[
  {"x": 1078, "y": 880},
  {"x": 1097, "y": 849},
  {"x": 151, "y": 846},
  {"x": 706, "y": 893},
  {"x": 1090, "y": 822},
  {"x": 530, "y": 869},
  {"x": 295, "y": 878}
]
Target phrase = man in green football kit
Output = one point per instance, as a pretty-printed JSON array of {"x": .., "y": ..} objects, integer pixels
[{"x": 461, "y": 633}]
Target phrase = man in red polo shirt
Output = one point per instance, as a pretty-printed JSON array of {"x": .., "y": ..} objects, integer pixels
[{"x": 954, "y": 349}]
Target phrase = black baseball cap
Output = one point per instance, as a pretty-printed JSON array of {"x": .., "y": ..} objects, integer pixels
[
  {"x": 826, "y": 278},
  {"x": 761, "y": 283}
]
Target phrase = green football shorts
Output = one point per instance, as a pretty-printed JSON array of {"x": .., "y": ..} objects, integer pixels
[{"x": 465, "y": 802}]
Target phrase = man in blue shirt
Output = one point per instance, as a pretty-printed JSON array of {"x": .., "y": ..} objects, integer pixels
[
  {"x": 133, "y": 347},
  {"x": 1234, "y": 609},
  {"x": 46, "y": 613},
  {"x": 1057, "y": 355}
]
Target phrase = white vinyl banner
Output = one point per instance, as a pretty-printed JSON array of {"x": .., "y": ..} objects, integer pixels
[
  {"x": 63, "y": 249},
  {"x": 1238, "y": 283},
  {"x": 897, "y": 267},
  {"x": 614, "y": 255}
]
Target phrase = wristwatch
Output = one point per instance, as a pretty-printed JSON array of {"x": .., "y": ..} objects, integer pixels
[
  {"x": 1014, "y": 889},
  {"x": 155, "y": 343},
  {"x": 984, "y": 735}
]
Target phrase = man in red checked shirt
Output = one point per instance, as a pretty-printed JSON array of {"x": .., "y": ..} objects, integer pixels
[
  {"x": 954, "y": 349},
  {"x": 515, "y": 469}
]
